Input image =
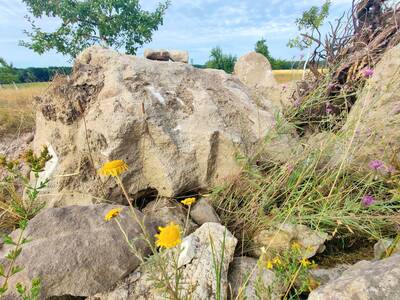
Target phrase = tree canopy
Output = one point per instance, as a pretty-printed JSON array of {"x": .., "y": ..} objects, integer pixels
[
  {"x": 262, "y": 48},
  {"x": 114, "y": 23},
  {"x": 221, "y": 61},
  {"x": 7, "y": 72}
]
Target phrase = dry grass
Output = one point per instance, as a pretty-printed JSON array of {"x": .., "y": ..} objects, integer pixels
[
  {"x": 16, "y": 107},
  {"x": 283, "y": 76}
]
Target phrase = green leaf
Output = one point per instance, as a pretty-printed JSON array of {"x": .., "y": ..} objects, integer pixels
[
  {"x": 20, "y": 288},
  {"x": 1, "y": 270},
  {"x": 23, "y": 224},
  {"x": 13, "y": 254},
  {"x": 16, "y": 269},
  {"x": 8, "y": 240},
  {"x": 3, "y": 290}
]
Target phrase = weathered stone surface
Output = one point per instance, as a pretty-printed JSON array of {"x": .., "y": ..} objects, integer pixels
[
  {"x": 372, "y": 128},
  {"x": 179, "y": 128},
  {"x": 165, "y": 55},
  {"x": 196, "y": 263},
  {"x": 255, "y": 71},
  {"x": 162, "y": 54},
  {"x": 179, "y": 56},
  {"x": 283, "y": 236},
  {"x": 366, "y": 280},
  {"x": 248, "y": 281},
  {"x": 164, "y": 210},
  {"x": 323, "y": 276},
  {"x": 75, "y": 252},
  {"x": 203, "y": 212}
]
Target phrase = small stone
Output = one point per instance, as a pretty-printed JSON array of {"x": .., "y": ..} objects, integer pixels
[
  {"x": 164, "y": 211},
  {"x": 250, "y": 281},
  {"x": 203, "y": 212},
  {"x": 281, "y": 237},
  {"x": 382, "y": 246}
]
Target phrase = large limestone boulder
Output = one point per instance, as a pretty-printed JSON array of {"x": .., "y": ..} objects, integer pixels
[
  {"x": 255, "y": 71},
  {"x": 195, "y": 261},
  {"x": 367, "y": 280},
  {"x": 372, "y": 128},
  {"x": 75, "y": 252},
  {"x": 178, "y": 128}
]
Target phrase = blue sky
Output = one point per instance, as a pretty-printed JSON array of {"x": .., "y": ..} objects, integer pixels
[{"x": 193, "y": 25}]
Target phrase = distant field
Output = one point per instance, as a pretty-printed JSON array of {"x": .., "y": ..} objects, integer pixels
[
  {"x": 16, "y": 107},
  {"x": 16, "y": 102},
  {"x": 283, "y": 76}
]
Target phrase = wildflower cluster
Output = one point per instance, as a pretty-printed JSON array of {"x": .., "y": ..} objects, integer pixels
[
  {"x": 37, "y": 162},
  {"x": 22, "y": 207},
  {"x": 291, "y": 268}
]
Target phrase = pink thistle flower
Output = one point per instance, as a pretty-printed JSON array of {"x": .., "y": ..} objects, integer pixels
[
  {"x": 376, "y": 165},
  {"x": 328, "y": 108},
  {"x": 391, "y": 170},
  {"x": 367, "y": 72},
  {"x": 367, "y": 200}
]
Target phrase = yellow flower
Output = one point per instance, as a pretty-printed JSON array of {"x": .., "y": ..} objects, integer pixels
[
  {"x": 169, "y": 236},
  {"x": 188, "y": 201},
  {"x": 112, "y": 214},
  {"x": 270, "y": 265},
  {"x": 305, "y": 262},
  {"x": 113, "y": 168},
  {"x": 296, "y": 246},
  {"x": 277, "y": 261}
]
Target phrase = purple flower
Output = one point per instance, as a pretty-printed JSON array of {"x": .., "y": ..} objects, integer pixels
[
  {"x": 296, "y": 103},
  {"x": 376, "y": 165},
  {"x": 367, "y": 200},
  {"x": 331, "y": 85},
  {"x": 367, "y": 72},
  {"x": 391, "y": 170},
  {"x": 328, "y": 108}
]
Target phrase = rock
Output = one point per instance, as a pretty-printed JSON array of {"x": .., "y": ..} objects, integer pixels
[
  {"x": 372, "y": 127},
  {"x": 163, "y": 211},
  {"x": 367, "y": 280},
  {"x": 179, "y": 56},
  {"x": 283, "y": 236},
  {"x": 75, "y": 252},
  {"x": 165, "y": 55},
  {"x": 250, "y": 281},
  {"x": 323, "y": 276},
  {"x": 255, "y": 71},
  {"x": 382, "y": 245},
  {"x": 179, "y": 128},
  {"x": 203, "y": 212},
  {"x": 162, "y": 55},
  {"x": 197, "y": 269}
]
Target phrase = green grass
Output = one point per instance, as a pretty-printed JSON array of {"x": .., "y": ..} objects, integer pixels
[{"x": 308, "y": 191}]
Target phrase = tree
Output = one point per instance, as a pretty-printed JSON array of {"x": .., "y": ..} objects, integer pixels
[
  {"x": 113, "y": 23},
  {"x": 221, "y": 61},
  {"x": 7, "y": 72},
  {"x": 309, "y": 26},
  {"x": 262, "y": 48}
]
